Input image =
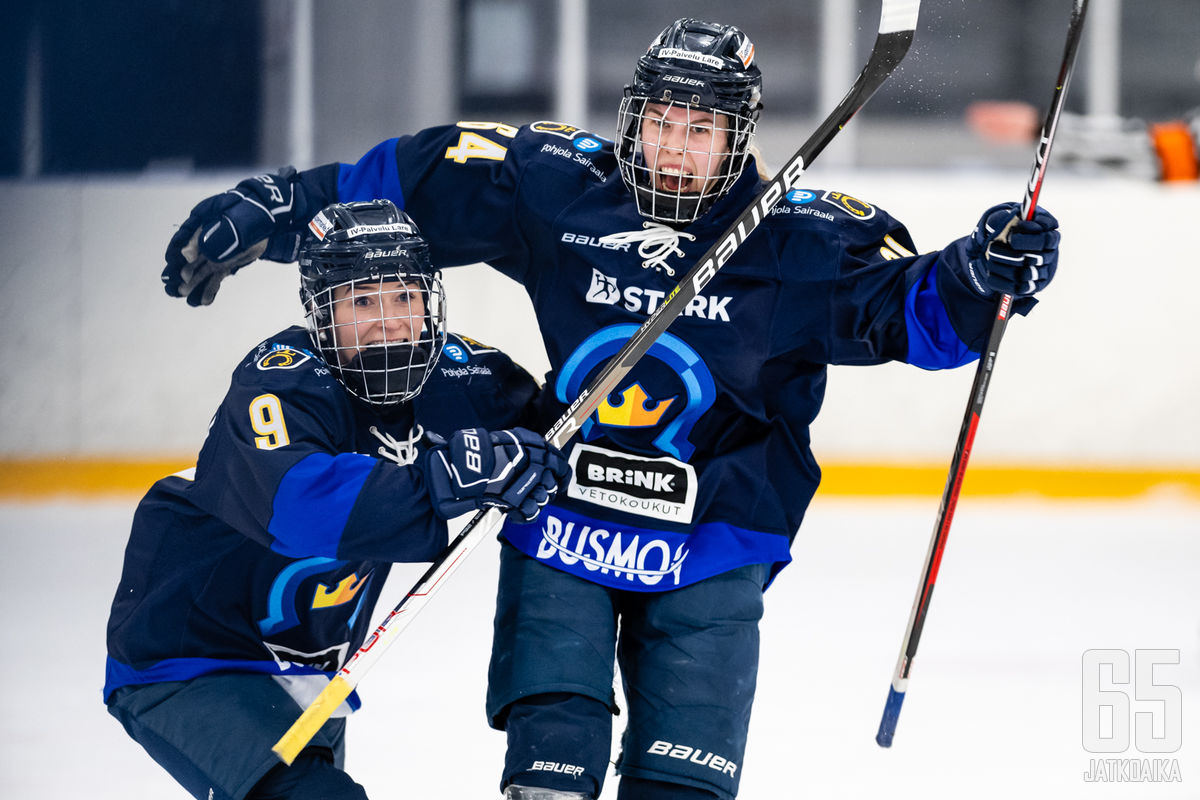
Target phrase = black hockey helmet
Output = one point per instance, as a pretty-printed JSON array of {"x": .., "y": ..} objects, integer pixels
[
  {"x": 365, "y": 270},
  {"x": 703, "y": 66}
]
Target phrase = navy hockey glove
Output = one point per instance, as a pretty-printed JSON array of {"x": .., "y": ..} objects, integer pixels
[
  {"x": 514, "y": 470},
  {"x": 228, "y": 231},
  {"x": 1020, "y": 260}
]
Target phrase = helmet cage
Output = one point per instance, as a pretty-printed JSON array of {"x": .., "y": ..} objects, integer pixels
[
  {"x": 646, "y": 179},
  {"x": 380, "y": 285},
  {"x": 703, "y": 68}
]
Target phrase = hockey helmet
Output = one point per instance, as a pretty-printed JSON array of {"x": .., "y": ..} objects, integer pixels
[
  {"x": 374, "y": 303},
  {"x": 701, "y": 67}
]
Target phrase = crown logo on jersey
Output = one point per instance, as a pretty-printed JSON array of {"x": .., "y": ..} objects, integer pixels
[
  {"x": 636, "y": 409},
  {"x": 344, "y": 592}
]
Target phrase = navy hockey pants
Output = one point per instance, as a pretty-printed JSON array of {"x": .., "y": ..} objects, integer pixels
[
  {"x": 214, "y": 735},
  {"x": 688, "y": 660}
]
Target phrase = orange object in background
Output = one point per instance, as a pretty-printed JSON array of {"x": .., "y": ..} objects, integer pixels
[{"x": 1177, "y": 151}]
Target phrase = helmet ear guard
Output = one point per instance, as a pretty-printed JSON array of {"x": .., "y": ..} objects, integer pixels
[
  {"x": 374, "y": 304},
  {"x": 706, "y": 68}
]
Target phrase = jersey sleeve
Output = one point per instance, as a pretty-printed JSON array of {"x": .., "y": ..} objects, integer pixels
[
  {"x": 279, "y": 466},
  {"x": 459, "y": 182},
  {"x": 883, "y": 301}
]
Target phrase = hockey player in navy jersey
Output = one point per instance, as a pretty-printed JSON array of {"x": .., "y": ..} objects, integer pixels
[
  {"x": 337, "y": 450},
  {"x": 691, "y": 479}
]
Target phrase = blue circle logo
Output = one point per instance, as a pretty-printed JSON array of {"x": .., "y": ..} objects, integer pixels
[
  {"x": 799, "y": 197},
  {"x": 455, "y": 353},
  {"x": 586, "y": 144}
]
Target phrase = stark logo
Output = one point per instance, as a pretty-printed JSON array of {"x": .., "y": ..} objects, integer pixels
[
  {"x": 642, "y": 300},
  {"x": 603, "y": 289}
]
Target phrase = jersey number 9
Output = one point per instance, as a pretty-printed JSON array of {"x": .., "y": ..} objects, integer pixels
[{"x": 266, "y": 417}]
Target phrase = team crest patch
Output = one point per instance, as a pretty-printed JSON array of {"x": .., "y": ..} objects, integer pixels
[
  {"x": 556, "y": 128},
  {"x": 283, "y": 358},
  {"x": 474, "y": 346},
  {"x": 851, "y": 205},
  {"x": 581, "y": 140}
]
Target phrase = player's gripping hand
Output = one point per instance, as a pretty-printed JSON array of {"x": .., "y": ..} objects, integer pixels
[
  {"x": 514, "y": 470},
  {"x": 228, "y": 231},
  {"x": 1020, "y": 259}
]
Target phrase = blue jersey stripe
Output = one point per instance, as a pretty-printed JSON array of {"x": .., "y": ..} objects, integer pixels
[
  {"x": 932, "y": 341},
  {"x": 313, "y": 502},
  {"x": 373, "y": 176},
  {"x": 117, "y": 674}
]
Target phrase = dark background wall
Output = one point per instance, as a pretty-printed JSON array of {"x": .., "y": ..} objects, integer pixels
[{"x": 131, "y": 85}]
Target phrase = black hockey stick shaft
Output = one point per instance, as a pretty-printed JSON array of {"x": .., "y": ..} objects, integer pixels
[
  {"x": 979, "y": 389},
  {"x": 897, "y": 24}
]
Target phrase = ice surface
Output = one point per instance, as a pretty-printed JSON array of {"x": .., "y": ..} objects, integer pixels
[{"x": 993, "y": 710}]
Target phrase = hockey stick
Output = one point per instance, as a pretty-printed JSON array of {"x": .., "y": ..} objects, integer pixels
[
  {"x": 898, "y": 20},
  {"x": 983, "y": 374}
]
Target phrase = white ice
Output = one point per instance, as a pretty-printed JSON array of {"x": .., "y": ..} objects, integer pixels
[{"x": 994, "y": 708}]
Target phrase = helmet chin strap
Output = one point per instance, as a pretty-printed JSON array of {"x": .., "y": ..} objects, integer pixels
[
  {"x": 671, "y": 208},
  {"x": 380, "y": 372}
]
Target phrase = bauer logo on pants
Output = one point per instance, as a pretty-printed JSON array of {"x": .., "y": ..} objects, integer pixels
[{"x": 661, "y": 488}]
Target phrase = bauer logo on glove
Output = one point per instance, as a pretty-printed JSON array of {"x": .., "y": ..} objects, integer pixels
[{"x": 515, "y": 470}]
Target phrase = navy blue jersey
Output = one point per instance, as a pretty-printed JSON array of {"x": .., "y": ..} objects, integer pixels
[
  {"x": 270, "y": 555},
  {"x": 699, "y": 462}
]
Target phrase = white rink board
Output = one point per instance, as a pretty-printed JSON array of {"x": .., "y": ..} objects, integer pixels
[{"x": 100, "y": 362}]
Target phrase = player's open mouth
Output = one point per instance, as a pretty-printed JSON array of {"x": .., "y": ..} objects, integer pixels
[{"x": 674, "y": 179}]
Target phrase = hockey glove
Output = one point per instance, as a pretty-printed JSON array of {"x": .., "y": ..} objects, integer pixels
[
  {"x": 228, "y": 231},
  {"x": 1019, "y": 260},
  {"x": 514, "y": 470}
]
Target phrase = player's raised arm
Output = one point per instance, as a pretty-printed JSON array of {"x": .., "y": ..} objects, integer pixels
[{"x": 261, "y": 217}]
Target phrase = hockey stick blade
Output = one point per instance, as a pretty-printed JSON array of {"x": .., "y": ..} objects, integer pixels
[
  {"x": 979, "y": 388},
  {"x": 898, "y": 20}
]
